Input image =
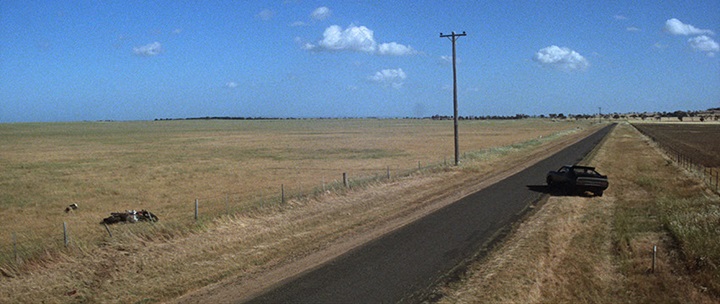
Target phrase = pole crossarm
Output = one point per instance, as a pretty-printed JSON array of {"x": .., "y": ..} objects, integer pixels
[{"x": 453, "y": 37}]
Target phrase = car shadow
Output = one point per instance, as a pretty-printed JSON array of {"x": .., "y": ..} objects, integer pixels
[{"x": 556, "y": 191}]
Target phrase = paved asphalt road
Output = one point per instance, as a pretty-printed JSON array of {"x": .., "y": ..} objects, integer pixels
[{"x": 403, "y": 265}]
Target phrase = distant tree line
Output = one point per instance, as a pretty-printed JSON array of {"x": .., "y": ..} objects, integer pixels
[
  {"x": 218, "y": 118},
  {"x": 709, "y": 114},
  {"x": 487, "y": 117}
]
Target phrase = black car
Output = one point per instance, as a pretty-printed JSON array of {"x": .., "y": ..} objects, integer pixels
[{"x": 578, "y": 179}]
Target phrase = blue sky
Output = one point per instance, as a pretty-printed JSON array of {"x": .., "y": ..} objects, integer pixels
[{"x": 141, "y": 60}]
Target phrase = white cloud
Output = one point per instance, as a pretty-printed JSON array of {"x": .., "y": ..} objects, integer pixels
[
  {"x": 632, "y": 29},
  {"x": 620, "y": 17},
  {"x": 357, "y": 39},
  {"x": 395, "y": 49},
  {"x": 354, "y": 38},
  {"x": 390, "y": 77},
  {"x": 148, "y": 50},
  {"x": 266, "y": 14},
  {"x": 561, "y": 58},
  {"x": 231, "y": 85},
  {"x": 305, "y": 45},
  {"x": 321, "y": 13},
  {"x": 298, "y": 23},
  {"x": 676, "y": 27},
  {"x": 308, "y": 46},
  {"x": 705, "y": 44},
  {"x": 446, "y": 60}
]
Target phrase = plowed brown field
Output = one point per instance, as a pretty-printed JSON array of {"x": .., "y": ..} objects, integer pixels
[{"x": 699, "y": 142}]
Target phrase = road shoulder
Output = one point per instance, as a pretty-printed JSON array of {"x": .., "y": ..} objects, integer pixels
[{"x": 417, "y": 197}]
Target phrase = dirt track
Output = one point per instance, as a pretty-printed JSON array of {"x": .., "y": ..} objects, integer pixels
[{"x": 236, "y": 289}]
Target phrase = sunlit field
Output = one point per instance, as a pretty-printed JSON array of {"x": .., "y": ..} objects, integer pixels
[
  {"x": 229, "y": 166},
  {"x": 599, "y": 249}
]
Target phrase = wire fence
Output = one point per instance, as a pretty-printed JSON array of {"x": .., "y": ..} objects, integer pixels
[
  {"x": 710, "y": 176},
  {"x": 49, "y": 239},
  {"x": 69, "y": 235}
]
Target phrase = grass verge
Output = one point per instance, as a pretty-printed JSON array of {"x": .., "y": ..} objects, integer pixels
[{"x": 599, "y": 249}]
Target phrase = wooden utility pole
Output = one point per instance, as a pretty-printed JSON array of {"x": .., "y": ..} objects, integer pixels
[{"x": 453, "y": 37}]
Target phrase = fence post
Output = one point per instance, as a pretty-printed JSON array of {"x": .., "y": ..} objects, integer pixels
[
  {"x": 708, "y": 176},
  {"x": 680, "y": 159},
  {"x": 66, "y": 239},
  {"x": 388, "y": 172},
  {"x": 107, "y": 228},
  {"x": 654, "y": 257},
  {"x": 15, "y": 250},
  {"x": 196, "y": 209},
  {"x": 282, "y": 193},
  {"x": 345, "y": 180},
  {"x": 684, "y": 162},
  {"x": 227, "y": 204},
  {"x": 704, "y": 174}
]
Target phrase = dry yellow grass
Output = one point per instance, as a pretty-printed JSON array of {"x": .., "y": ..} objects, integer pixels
[
  {"x": 598, "y": 250},
  {"x": 163, "y": 166}
]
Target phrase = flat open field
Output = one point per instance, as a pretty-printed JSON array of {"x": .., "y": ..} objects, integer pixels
[
  {"x": 599, "y": 249},
  {"x": 700, "y": 142},
  {"x": 164, "y": 166}
]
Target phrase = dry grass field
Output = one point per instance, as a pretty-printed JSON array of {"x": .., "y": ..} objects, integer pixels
[
  {"x": 599, "y": 249},
  {"x": 230, "y": 166},
  {"x": 573, "y": 249}
]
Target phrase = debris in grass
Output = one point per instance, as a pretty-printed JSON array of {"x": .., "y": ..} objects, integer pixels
[
  {"x": 130, "y": 216},
  {"x": 71, "y": 208}
]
